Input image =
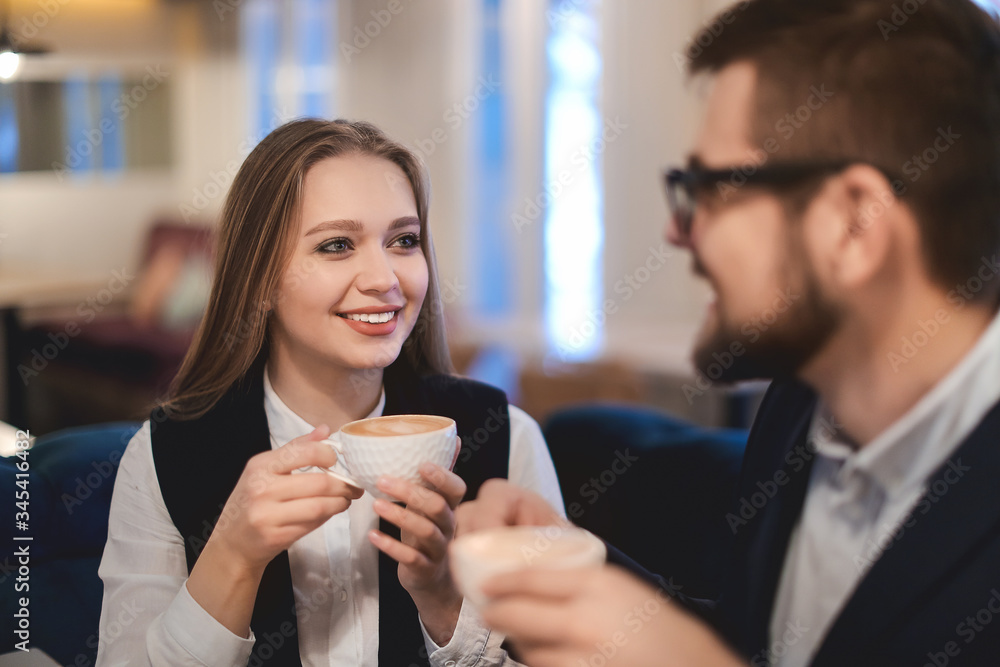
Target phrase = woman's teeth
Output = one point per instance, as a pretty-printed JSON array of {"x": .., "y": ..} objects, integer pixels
[{"x": 373, "y": 318}]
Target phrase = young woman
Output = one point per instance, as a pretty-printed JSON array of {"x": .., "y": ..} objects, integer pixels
[{"x": 225, "y": 545}]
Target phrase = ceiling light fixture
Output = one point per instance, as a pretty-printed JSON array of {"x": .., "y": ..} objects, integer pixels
[
  {"x": 10, "y": 60},
  {"x": 12, "y": 53}
]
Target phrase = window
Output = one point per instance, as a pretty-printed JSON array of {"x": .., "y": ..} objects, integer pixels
[
  {"x": 85, "y": 123},
  {"x": 574, "y": 227},
  {"x": 288, "y": 50},
  {"x": 494, "y": 279}
]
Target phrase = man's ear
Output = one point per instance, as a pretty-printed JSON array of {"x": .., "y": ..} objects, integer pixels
[{"x": 871, "y": 220}]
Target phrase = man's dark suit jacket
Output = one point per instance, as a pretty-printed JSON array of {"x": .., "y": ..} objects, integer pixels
[{"x": 931, "y": 597}]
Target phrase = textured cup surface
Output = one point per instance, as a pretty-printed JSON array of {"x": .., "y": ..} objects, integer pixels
[
  {"x": 394, "y": 445},
  {"x": 478, "y": 556}
]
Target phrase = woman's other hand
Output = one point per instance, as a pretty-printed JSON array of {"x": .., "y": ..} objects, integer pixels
[{"x": 427, "y": 525}]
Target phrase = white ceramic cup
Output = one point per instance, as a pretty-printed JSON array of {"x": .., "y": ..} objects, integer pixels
[
  {"x": 394, "y": 445},
  {"x": 476, "y": 557}
]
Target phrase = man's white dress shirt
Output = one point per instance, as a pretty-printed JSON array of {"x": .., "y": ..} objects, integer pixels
[
  {"x": 149, "y": 618},
  {"x": 861, "y": 501}
]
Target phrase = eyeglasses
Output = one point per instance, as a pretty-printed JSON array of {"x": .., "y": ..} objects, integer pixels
[{"x": 684, "y": 185}]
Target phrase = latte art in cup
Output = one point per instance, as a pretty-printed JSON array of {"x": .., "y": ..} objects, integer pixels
[
  {"x": 395, "y": 445},
  {"x": 397, "y": 425}
]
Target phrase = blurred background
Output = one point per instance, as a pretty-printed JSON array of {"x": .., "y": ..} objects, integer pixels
[{"x": 545, "y": 126}]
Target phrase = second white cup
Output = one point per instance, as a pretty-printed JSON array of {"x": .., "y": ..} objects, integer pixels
[{"x": 475, "y": 557}]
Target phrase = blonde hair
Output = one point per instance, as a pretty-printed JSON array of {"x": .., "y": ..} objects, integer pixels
[{"x": 254, "y": 247}]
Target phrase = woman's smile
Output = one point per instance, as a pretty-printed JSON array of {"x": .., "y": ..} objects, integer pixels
[{"x": 372, "y": 321}]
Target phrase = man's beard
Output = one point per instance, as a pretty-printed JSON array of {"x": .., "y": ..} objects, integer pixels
[{"x": 782, "y": 348}]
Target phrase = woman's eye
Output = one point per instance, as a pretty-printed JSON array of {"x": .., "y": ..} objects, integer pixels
[
  {"x": 407, "y": 241},
  {"x": 334, "y": 246}
]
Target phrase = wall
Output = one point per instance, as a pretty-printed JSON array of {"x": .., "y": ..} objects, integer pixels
[{"x": 645, "y": 86}]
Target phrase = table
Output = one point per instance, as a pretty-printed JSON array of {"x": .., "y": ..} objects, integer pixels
[
  {"x": 22, "y": 286},
  {"x": 35, "y": 657},
  {"x": 8, "y": 438}
]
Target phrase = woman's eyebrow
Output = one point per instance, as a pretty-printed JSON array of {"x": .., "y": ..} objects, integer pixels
[
  {"x": 357, "y": 227},
  {"x": 405, "y": 221},
  {"x": 338, "y": 225}
]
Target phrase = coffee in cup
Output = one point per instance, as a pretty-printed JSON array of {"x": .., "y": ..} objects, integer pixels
[
  {"x": 397, "y": 425},
  {"x": 475, "y": 557},
  {"x": 394, "y": 445}
]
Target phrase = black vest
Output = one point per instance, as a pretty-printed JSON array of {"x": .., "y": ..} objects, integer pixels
[{"x": 198, "y": 463}]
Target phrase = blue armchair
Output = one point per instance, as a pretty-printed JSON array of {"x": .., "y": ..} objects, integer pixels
[
  {"x": 71, "y": 477},
  {"x": 656, "y": 487}
]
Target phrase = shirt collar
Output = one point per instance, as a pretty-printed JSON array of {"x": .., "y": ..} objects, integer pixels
[
  {"x": 911, "y": 448},
  {"x": 284, "y": 424}
]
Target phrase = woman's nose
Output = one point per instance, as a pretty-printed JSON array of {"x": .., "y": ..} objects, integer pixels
[{"x": 377, "y": 273}]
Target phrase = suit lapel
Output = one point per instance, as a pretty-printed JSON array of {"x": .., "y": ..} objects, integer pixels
[
  {"x": 767, "y": 557},
  {"x": 959, "y": 508},
  {"x": 784, "y": 417}
]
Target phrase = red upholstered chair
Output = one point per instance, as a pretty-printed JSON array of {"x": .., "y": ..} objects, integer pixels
[{"x": 125, "y": 352}]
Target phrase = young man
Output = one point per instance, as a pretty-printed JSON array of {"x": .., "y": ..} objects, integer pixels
[{"x": 848, "y": 164}]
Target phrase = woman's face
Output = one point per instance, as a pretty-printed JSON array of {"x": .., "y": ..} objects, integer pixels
[{"x": 357, "y": 277}]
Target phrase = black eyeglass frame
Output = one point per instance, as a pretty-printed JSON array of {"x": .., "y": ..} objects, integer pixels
[{"x": 695, "y": 178}]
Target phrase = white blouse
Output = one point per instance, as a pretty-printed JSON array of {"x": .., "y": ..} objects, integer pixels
[{"x": 149, "y": 618}]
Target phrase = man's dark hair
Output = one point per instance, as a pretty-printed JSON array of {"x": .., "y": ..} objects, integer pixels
[{"x": 897, "y": 76}]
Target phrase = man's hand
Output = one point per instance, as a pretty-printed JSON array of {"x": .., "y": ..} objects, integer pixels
[
  {"x": 501, "y": 503},
  {"x": 598, "y": 616}
]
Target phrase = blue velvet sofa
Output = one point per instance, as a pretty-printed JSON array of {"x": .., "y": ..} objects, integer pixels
[
  {"x": 656, "y": 487},
  {"x": 71, "y": 477}
]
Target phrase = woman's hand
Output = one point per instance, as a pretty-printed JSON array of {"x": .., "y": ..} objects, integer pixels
[
  {"x": 268, "y": 510},
  {"x": 427, "y": 525},
  {"x": 271, "y": 508}
]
